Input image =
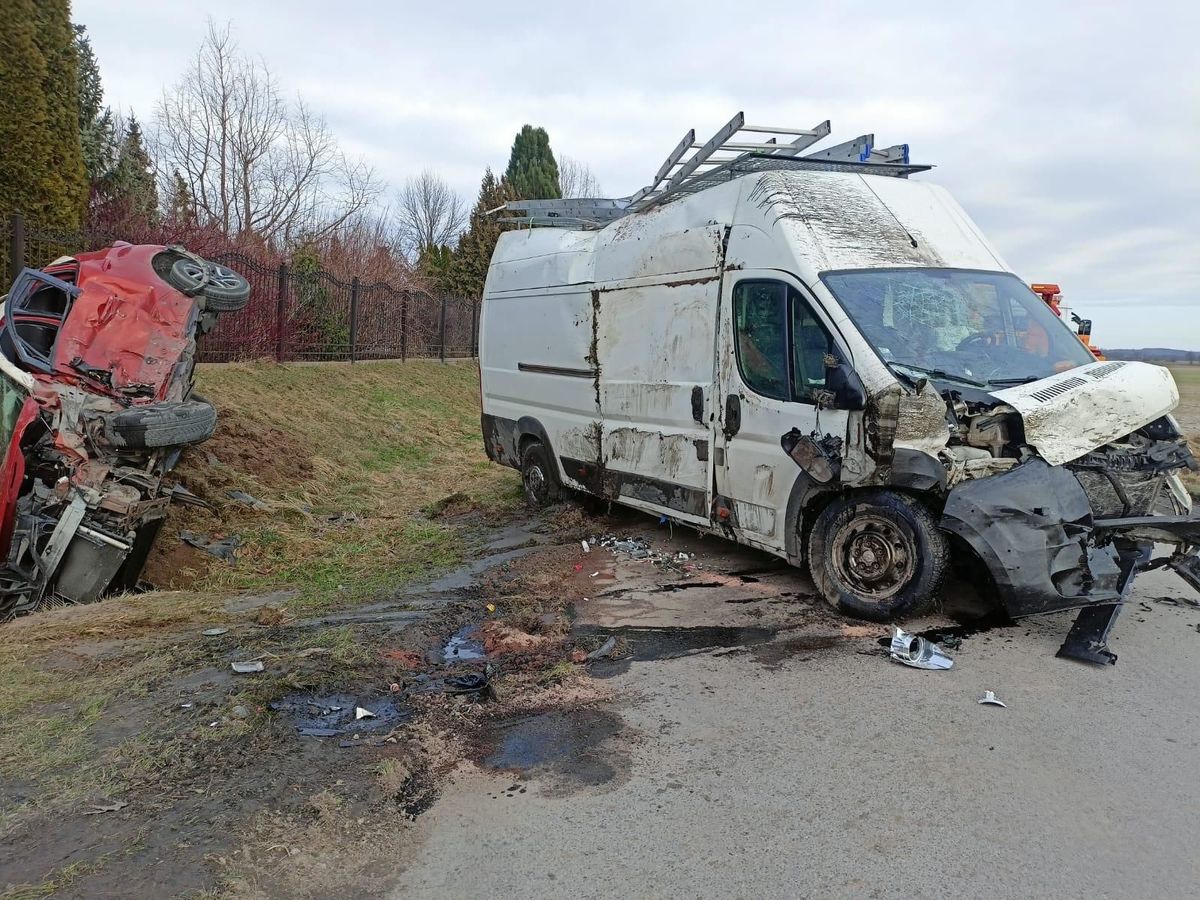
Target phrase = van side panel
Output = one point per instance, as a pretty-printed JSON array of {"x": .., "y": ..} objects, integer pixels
[
  {"x": 655, "y": 339},
  {"x": 537, "y": 374}
]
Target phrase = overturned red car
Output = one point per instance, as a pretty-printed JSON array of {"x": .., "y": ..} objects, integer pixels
[{"x": 97, "y": 354}]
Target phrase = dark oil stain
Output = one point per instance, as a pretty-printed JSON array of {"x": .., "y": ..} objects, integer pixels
[
  {"x": 574, "y": 748},
  {"x": 772, "y": 655},
  {"x": 645, "y": 643}
]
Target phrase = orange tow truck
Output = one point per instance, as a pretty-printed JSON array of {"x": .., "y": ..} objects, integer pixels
[{"x": 1052, "y": 295}]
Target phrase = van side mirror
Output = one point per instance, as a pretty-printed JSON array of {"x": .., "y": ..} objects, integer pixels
[{"x": 843, "y": 383}]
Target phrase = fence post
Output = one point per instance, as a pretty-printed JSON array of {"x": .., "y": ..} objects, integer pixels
[
  {"x": 474, "y": 327},
  {"x": 281, "y": 311},
  {"x": 353, "y": 318},
  {"x": 403, "y": 326},
  {"x": 16, "y": 244},
  {"x": 442, "y": 331}
]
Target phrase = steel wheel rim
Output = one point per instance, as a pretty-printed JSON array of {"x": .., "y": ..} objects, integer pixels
[
  {"x": 535, "y": 482},
  {"x": 874, "y": 557}
]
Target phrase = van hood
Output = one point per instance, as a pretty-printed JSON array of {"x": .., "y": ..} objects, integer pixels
[{"x": 1074, "y": 412}]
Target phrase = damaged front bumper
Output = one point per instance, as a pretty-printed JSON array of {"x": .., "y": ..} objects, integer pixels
[{"x": 1035, "y": 529}]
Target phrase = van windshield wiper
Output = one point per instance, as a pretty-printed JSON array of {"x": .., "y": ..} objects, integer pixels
[
  {"x": 941, "y": 373},
  {"x": 1014, "y": 381}
]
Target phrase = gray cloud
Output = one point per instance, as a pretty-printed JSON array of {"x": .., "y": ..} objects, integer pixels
[{"x": 1070, "y": 132}]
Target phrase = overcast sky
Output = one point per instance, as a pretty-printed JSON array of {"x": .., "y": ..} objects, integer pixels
[{"x": 1070, "y": 132}]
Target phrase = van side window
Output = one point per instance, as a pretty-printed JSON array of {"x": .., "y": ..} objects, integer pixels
[
  {"x": 761, "y": 329},
  {"x": 781, "y": 344},
  {"x": 811, "y": 343}
]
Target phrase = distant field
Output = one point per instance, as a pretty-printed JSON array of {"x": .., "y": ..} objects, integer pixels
[{"x": 1188, "y": 415}]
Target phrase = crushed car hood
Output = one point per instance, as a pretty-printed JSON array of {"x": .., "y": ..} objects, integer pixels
[{"x": 1074, "y": 412}]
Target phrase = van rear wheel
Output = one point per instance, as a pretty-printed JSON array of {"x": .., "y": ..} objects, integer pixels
[
  {"x": 877, "y": 555},
  {"x": 538, "y": 476}
]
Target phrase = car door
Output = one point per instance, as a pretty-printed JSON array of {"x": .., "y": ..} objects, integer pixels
[{"x": 774, "y": 348}]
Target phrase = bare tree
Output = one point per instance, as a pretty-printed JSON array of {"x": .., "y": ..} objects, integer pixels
[
  {"x": 577, "y": 179},
  {"x": 253, "y": 162},
  {"x": 429, "y": 213}
]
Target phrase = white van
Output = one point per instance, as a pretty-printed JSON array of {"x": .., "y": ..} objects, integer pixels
[{"x": 832, "y": 364}]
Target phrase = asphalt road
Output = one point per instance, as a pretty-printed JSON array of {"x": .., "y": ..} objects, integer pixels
[{"x": 831, "y": 771}]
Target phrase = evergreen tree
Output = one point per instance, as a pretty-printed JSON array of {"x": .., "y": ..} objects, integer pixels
[
  {"x": 532, "y": 171},
  {"x": 131, "y": 185},
  {"x": 25, "y": 175},
  {"x": 180, "y": 206},
  {"x": 470, "y": 264},
  {"x": 437, "y": 264},
  {"x": 62, "y": 154},
  {"x": 97, "y": 132}
]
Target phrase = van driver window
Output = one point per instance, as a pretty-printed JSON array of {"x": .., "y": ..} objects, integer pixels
[{"x": 760, "y": 325}]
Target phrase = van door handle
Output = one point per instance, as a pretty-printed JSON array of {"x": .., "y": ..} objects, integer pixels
[
  {"x": 733, "y": 415},
  {"x": 698, "y": 403}
]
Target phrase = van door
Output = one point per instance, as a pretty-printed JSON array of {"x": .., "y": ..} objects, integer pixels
[{"x": 773, "y": 347}]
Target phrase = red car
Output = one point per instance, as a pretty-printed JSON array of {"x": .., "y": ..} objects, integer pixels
[{"x": 97, "y": 353}]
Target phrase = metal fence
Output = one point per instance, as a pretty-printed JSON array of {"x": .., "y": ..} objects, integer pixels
[{"x": 294, "y": 315}]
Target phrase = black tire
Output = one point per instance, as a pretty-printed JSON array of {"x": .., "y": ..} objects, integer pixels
[
  {"x": 877, "y": 555},
  {"x": 163, "y": 425},
  {"x": 224, "y": 289},
  {"x": 538, "y": 476}
]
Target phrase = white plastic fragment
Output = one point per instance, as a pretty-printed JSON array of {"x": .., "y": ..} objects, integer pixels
[
  {"x": 586, "y": 547},
  {"x": 245, "y": 668},
  {"x": 990, "y": 698},
  {"x": 363, "y": 713},
  {"x": 914, "y": 650}
]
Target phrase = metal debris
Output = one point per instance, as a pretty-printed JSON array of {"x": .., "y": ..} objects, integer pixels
[
  {"x": 224, "y": 548},
  {"x": 180, "y": 494},
  {"x": 214, "y": 632},
  {"x": 989, "y": 698},
  {"x": 245, "y": 668},
  {"x": 914, "y": 650},
  {"x": 246, "y": 500},
  {"x": 603, "y": 650},
  {"x": 363, "y": 713}
]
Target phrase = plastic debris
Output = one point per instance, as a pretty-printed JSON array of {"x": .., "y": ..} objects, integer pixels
[
  {"x": 115, "y": 806},
  {"x": 464, "y": 644},
  {"x": 186, "y": 705},
  {"x": 603, "y": 650},
  {"x": 990, "y": 699},
  {"x": 180, "y": 494},
  {"x": 361, "y": 712},
  {"x": 587, "y": 548},
  {"x": 914, "y": 650},
  {"x": 214, "y": 632},
  {"x": 594, "y": 574},
  {"x": 225, "y": 548},
  {"x": 245, "y": 668},
  {"x": 246, "y": 500},
  {"x": 491, "y": 607}
]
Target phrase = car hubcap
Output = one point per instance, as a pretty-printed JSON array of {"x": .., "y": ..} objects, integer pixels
[{"x": 874, "y": 557}]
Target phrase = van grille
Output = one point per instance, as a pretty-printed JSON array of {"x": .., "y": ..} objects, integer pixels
[{"x": 1049, "y": 393}]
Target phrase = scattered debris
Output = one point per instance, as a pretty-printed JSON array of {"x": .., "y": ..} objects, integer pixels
[
  {"x": 914, "y": 650},
  {"x": 603, "y": 650},
  {"x": 587, "y": 548},
  {"x": 222, "y": 548},
  {"x": 180, "y": 494},
  {"x": 246, "y": 500},
  {"x": 361, "y": 713},
  {"x": 989, "y": 698},
  {"x": 338, "y": 714},
  {"x": 245, "y": 668},
  {"x": 490, "y": 607},
  {"x": 214, "y": 632},
  {"x": 186, "y": 705},
  {"x": 115, "y": 806}
]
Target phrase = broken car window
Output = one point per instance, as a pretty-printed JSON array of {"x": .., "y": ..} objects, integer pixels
[{"x": 978, "y": 327}]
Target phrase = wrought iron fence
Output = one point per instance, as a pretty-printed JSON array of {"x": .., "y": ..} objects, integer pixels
[{"x": 294, "y": 314}]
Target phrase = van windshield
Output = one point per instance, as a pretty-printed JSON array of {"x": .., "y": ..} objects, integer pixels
[{"x": 981, "y": 328}]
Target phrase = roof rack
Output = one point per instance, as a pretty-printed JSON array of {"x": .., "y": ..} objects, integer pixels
[{"x": 682, "y": 174}]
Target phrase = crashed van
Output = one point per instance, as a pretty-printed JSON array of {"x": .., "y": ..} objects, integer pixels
[
  {"x": 824, "y": 358},
  {"x": 97, "y": 356}
]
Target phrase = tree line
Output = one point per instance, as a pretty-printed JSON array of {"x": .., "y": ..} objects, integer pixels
[{"x": 229, "y": 159}]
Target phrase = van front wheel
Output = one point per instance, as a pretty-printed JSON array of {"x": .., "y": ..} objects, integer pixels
[
  {"x": 877, "y": 555},
  {"x": 537, "y": 476}
]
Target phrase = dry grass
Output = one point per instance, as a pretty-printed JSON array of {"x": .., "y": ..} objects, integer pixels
[{"x": 369, "y": 446}]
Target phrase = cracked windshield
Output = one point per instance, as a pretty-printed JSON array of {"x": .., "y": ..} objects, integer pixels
[{"x": 980, "y": 328}]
